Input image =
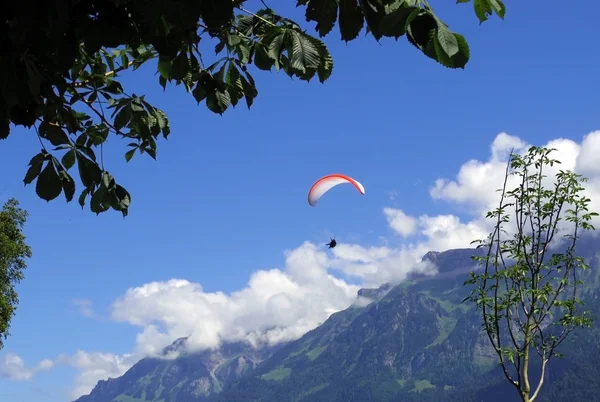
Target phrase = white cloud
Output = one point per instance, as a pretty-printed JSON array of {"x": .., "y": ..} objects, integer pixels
[
  {"x": 282, "y": 304},
  {"x": 292, "y": 301},
  {"x": 95, "y": 366},
  {"x": 476, "y": 182},
  {"x": 85, "y": 307},
  {"x": 401, "y": 223},
  {"x": 587, "y": 159},
  {"x": 13, "y": 367}
]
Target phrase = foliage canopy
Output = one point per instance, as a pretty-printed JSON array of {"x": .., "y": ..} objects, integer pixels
[
  {"x": 60, "y": 62},
  {"x": 13, "y": 252}
]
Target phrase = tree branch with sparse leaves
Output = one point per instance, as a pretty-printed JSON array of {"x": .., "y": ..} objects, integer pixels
[{"x": 528, "y": 295}]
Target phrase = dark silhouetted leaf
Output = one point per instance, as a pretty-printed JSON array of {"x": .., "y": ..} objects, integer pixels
[
  {"x": 420, "y": 28},
  {"x": 68, "y": 185},
  {"x": 180, "y": 66},
  {"x": 122, "y": 118},
  {"x": 351, "y": 19},
  {"x": 82, "y": 197},
  {"x": 48, "y": 185},
  {"x": 53, "y": 133},
  {"x": 100, "y": 201},
  {"x": 218, "y": 101},
  {"x": 373, "y": 11},
  {"x": 89, "y": 172},
  {"x": 122, "y": 200},
  {"x": 68, "y": 159},
  {"x": 261, "y": 58},
  {"x": 35, "y": 167},
  {"x": 324, "y": 12},
  {"x": 216, "y": 13},
  {"x": 393, "y": 24}
]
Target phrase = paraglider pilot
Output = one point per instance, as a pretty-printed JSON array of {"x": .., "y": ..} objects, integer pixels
[{"x": 332, "y": 243}]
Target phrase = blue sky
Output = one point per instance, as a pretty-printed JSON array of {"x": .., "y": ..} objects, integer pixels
[{"x": 228, "y": 194}]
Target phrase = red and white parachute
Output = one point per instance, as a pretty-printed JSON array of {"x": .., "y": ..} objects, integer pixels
[{"x": 326, "y": 183}]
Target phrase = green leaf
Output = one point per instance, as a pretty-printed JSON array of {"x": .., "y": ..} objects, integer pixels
[
  {"x": 324, "y": 12},
  {"x": 35, "y": 167},
  {"x": 122, "y": 200},
  {"x": 220, "y": 46},
  {"x": 89, "y": 152},
  {"x": 483, "y": 8},
  {"x": 373, "y": 11},
  {"x": 89, "y": 172},
  {"x": 100, "y": 202},
  {"x": 98, "y": 133},
  {"x": 261, "y": 58},
  {"x": 108, "y": 181},
  {"x": 393, "y": 24},
  {"x": 53, "y": 133},
  {"x": 325, "y": 67},
  {"x": 68, "y": 184},
  {"x": 180, "y": 66},
  {"x": 68, "y": 159},
  {"x": 199, "y": 92},
  {"x": 243, "y": 52},
  {"x": 163, "y": 122},
  {"x": 277, "y": 45},
  {"x": 114, "y": 87},
  {"x": 234, "y": 80},
  {"x": 136, "y": 104},
  {"x": 499, "y": 8},
  {"x": 129, "y": 154},
  {"x": 233, "y": 40},
  {"x": 250, "y": 91},
  {"x": 122, "y": 118},
  {"x": 48, "y": 185},
  {"x": 304, "y": 53},
  {"x": 351, "y": 19},
  {"x": 420, "y": 28},
  {"x": 446, "y": 39},
  {"x": 164, "y": 68},
  {"x": 218, "y": 101},
  {"x": 82, "y": 197},
  {"x": 461, "y": 58},
  {"x": 80, "y": 141}
]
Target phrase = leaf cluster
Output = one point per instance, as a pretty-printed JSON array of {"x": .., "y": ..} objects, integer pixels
[
  {"x": 13, "y": 252},
  {"x": 60, "y": 64}
]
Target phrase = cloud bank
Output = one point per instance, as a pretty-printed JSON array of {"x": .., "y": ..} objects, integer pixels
[{"x": 284, "y": 303}]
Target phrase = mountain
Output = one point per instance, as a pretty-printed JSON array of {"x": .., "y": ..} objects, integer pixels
[
  {"x": 189, "y": 377},
  {"x": 411, "y": 342}
]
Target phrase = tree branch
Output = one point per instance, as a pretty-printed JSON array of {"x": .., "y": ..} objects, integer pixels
[{"x": 539, "y": 386}]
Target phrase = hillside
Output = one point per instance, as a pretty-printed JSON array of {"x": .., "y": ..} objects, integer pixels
[
  {"x": 414, "y": 342},
  {"x": 190, "y": 377}
]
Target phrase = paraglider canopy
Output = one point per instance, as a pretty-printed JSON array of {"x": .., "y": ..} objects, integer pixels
[{"x": 326, "y": 183}]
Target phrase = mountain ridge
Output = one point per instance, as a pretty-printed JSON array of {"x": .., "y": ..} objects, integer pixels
[{"x": 411, "y": 341}]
